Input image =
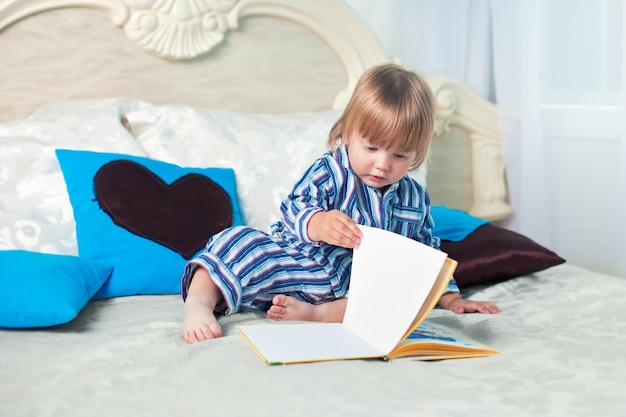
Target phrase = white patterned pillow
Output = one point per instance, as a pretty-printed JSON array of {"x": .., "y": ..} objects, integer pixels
[
  {"x": 35, "y": 211},
  {"x": 268, "y": 152}
]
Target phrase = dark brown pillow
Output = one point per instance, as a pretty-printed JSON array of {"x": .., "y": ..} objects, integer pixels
[{"x": 493, "y": 254}]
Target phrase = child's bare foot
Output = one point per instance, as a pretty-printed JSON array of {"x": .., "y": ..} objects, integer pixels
[
  {"x": 200, "y": 322},
  {"x": 288, "y": 308}
]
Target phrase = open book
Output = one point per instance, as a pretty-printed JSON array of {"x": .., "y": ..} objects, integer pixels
[{"x": 395, "y": 283}]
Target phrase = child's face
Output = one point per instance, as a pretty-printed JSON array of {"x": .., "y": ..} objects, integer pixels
[{"x": 377, "y": 167}]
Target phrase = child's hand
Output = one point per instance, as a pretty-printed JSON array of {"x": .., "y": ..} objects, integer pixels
[
  {"x": 334, "y": 227},
  {"x": 454, "y": 302}
]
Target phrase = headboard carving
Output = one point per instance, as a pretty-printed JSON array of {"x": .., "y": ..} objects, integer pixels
[{"x": 177, "y": 29}]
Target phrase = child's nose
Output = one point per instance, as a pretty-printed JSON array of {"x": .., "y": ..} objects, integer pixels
[{"x": 383, "y": 162}]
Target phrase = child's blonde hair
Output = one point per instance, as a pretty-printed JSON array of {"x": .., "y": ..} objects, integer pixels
[{"x": 391, "y": 107}]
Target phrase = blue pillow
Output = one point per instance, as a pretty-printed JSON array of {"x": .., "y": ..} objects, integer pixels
[
  {"x": 40, "y": 290},
  {"x": 454, "y": 225},
  {"x": 145, "y": 217}
]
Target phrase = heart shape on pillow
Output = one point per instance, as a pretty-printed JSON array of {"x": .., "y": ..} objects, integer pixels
[{"x": 180, "y": 216}]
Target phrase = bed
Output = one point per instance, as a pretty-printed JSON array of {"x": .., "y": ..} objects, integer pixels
[{"x": 244, "y": 92}]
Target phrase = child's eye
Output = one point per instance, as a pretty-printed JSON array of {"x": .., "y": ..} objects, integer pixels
[
  {"x": 372, "y": 148},
  {"x": 399, "y": 156}
]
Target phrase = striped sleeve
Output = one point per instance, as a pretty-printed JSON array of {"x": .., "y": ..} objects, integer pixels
[
  {"x": 311, "y": 194},
  {"x": 426, "y": 232}
]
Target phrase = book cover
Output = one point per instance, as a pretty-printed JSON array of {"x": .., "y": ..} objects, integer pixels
[{"x": 395, "y": 283}]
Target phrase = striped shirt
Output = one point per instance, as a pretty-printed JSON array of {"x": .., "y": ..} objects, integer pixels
[{"x": 330, "y": 183}]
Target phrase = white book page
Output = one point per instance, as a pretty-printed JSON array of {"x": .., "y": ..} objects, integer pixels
[
  {"x": 307, "y": 342},
  {"x": 391, "y": 278}
]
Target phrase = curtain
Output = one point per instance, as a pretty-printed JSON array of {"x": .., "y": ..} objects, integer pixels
[
  {"x": 436, "y": 36},
  {"x": 620, "y": 244},
  {"x": 516, "y": 43}
]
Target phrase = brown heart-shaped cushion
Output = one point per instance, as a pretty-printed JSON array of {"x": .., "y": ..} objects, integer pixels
[{"x": 180, "y": 216}]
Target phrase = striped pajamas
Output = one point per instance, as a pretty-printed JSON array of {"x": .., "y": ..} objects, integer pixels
[{"x": 250, "y": 267}]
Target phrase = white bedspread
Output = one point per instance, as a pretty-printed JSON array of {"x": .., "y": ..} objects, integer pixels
[{"x": 562, "y": 334}]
